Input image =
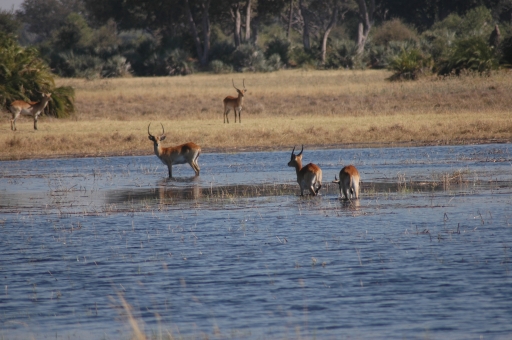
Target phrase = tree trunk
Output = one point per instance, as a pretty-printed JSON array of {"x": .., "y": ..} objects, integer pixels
[
  {"x": 305, "y": 29},
  {"x": 193, "y": 30},
  {"x": 235, "y": 11},
  {"x": 290, "y": 18},
  {"x": 365, "y": 23},
  {"x": 330, "y": 26},
  {"x": 255, "y": 24},
  {"x": 206, "y": 33},
  {"x": 248, "y": 22}
]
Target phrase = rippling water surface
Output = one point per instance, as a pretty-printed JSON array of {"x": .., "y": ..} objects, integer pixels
[{"x": 236, "y": 253}]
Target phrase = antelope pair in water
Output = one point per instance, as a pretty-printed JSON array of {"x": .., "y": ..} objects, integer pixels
[
  {"x": 33, "y": 109},
  {"x": 309, "y": 177}
]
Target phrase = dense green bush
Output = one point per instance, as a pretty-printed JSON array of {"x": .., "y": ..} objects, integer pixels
[
  {"x": 278, "y": 46},
  {"x": 179, "y": 63},
  {"x": 393, "y": 30},
  {"x": 506, "y": 51},
  {"x": 248, "y": 58},
  {"x": 62, "y": 104},
  {"x": 409, "y": 64},
  {"x": 300, "y": 57},
  {"x": 342, "y": 54},
  {"x": 69, "y": 64},
  {"x": 24, "y": 75},
  {"x": 217, "y": 66},
  {"x": 222, "y": 51},
  {"x": 115, "y": 67},
  {"x": 469, "y": 54},
  {"x": 274, "y": 63}
]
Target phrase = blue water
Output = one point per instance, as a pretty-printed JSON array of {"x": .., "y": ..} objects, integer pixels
[{"x": 236, "y": 253}]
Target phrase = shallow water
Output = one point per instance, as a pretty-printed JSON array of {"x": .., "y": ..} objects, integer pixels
[{"x": 236, "y": 253}]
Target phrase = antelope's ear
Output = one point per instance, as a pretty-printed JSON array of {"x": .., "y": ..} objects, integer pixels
[{"x": 162, "y": 137}]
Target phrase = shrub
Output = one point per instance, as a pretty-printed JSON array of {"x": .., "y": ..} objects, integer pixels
[
  {"x": 222, "y": 51},
  {"x": 62, "y": 104},
  {"x": 408, "y": 65},
  {"x": 274, "y": 62},
  {"x": 343, "y": 54},
  {"x": 217, "y": 66},
  {"x": 437, "y": 42},
  {"x": 23, "y": 75},
  {"x": 179, "y": 63},
  {"x": 280, "y": 47},
  {"x": 248, "y": 58},
  {"x": 393, "y": 30},
  {"x": 506, "y": 50},
  {"x": 376, "y": 56},
  {"x": 68, "y": 64},
  {"x": 469, "y": 54},
  {"x": 300, "y": 57},
  {"x": 115, "y": 67}
]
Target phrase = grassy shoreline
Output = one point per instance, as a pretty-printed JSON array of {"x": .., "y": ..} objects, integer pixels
[{"x": 320, "y": 109}]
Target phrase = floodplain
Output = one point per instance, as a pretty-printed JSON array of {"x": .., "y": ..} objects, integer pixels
[
  {"x": 335, "y": 109},
  {"x": 110, "y": 248}
]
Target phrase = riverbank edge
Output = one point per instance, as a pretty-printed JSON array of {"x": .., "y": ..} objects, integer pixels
[{"x": 256, "y": 148}]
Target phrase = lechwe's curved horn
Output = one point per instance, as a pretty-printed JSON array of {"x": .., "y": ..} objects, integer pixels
[
  {"x": 300, "y": 153},
  {"x": 293, "y": 151},
  {"x": 234, "y": 85},
  {"x": 244, "y": 83},
  {"x": 149, "y": 133},
  {"x": 163, "y": 131}
]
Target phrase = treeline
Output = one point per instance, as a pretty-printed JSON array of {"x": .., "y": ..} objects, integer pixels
[{"x": 115, "y": 38}]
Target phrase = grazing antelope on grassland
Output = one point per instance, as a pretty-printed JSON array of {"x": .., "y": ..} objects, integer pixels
[
  {"x": 181, "y": 154},
  {"x": 234, "y": 103},
  {"x": 307, "y": 176},
  {"x": 33, "y": 109},
  {"x": 348, "y": 182}
]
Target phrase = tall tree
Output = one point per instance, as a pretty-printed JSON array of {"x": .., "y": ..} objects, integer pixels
[
  {"x": 331, "y": 23},
  {"x": 202, "y": 49},
  {"x": 248, "y": 14},
  {"x": 366, "y": 20},
  {"x": 290, "y": 20},
  {"x": 305, "y": 15},
  {"x": 237, "y": 22},
  {"x": 45, "y": 16},
  {"x": 8, "y": 22}
]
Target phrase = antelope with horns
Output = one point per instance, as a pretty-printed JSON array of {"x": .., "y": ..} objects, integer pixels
[
  {"x": 181, "y": 154},
  {"x": 307, "y": 176},
  {"x": 33, "y": 109},
  {"x": 348, "y": 182},
  {"x": 234, "y": 103}
]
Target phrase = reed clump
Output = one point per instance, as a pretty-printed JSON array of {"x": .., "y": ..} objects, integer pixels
[{"x": 316, "y": 108}]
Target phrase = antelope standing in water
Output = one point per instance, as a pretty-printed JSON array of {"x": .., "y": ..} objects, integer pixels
[
  {"x": 33, "y": 109},
  {"x": 307, "y": 176},
  {"x": 348, "y": 182},
  {"x": 234, "y": 103},
  {"x": 181, "y": 154}
]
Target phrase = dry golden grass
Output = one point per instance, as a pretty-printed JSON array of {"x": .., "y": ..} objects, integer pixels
[{"x": 282, "y": 109}]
